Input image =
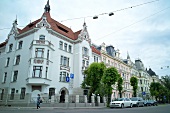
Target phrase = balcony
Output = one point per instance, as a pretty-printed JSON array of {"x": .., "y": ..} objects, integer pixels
[
  {"x": 39, "y": 61},
  {"x": 38, "y": 81},
  {"x": 43, "y": 43}
]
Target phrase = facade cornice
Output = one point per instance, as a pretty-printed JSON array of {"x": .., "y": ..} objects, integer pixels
[
  {"x": 27, "y": 33},
  {"x": 119, "y": 60}
]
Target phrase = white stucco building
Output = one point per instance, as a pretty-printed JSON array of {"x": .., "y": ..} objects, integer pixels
[{"x": 46, "y": 58}]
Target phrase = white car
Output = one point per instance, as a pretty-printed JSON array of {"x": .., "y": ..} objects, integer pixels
[{"x": 121, "y": 102}]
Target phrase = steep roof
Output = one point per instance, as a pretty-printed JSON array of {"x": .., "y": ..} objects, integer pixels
[
  {"x": 55, "y": 25},
  {"x": 95, "y": 50},
  {"x": 151, "y": 73},
  {"x": 3, "y": 44}
]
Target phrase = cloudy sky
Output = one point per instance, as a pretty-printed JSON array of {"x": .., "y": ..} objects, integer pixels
[{"x": 143, "y": 31}]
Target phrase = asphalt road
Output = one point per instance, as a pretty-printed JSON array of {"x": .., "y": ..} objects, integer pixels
[{"x": 153, "y": 109}]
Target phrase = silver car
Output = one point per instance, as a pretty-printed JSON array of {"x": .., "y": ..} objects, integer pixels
[
  {"x": 137, "y": 101},
  {"x": 121, "y": 102}
]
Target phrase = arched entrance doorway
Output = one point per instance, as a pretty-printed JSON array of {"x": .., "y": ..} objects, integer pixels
[
  {"x": 62, "y": 96},
  {"x": 63, "y": 92}
]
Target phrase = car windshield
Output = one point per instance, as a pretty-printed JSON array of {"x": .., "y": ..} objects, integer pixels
[
  {"x": 133, "y": 99},
  {"x": 120, "y": 99}
]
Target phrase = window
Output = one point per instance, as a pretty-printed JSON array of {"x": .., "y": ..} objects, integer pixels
[
  {"x": 69, "y": 48},
  {"x": 85, "y": 51},
  {"x": 15, "y": 76},
  {"x": 94, "y": 58},
  {"x": 63, "y": 76},
  {"x": 22, "y": 95},
  {"x": 109, "y": 62},
  {"x": 83, "y": 62},
  {"x": 61, "y": 60},
  {"x": 61, "y": 45},
  {"x": 46, "y": 72},
  {"x": 64, "y": 61},
  {"x": 97, "y": 59},
  {"x": 51, "y": 92},
  {"x": 42, "y": 37},
  {"x": 17, "y": 60},
  {"x": 2, "y": 94},
  {"x": 39, "y": 52},
  {"x": 65, "y": 46},
  {"x": 142, "y": 89},
  {"x": 104, "y": 60},
  {"x": 48, "y": 53},
  {"x": 140, "y": 81},
  {"x": 10, "y": 47},
  {"x": 7, "y": 62},
  {"x": 12, "y": 94},
  {"x": 4, "y": 78},
  {"x": 87, "y": 63},
  {"x": 37, "y": 71},
  {"x": 20, "y": 44}
]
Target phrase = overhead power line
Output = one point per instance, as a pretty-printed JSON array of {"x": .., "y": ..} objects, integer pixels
[
  {"x": 132, "y": 23},
  {"x": 111, "y": 13},
  {"x": 96, "y": 16}
]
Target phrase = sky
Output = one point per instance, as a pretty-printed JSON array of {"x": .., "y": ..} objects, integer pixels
[{"x": 142, "y": 31}]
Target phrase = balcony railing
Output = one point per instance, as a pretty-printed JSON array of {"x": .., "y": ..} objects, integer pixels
[
  {"x": 38, "y": 81},
  {"x": 39, "y": 61},
  {"x": 43, "y": 43}
]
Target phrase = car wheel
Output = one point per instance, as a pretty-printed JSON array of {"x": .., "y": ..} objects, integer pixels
[
  {"x": 143, "y": 105},
  {"x": 131, "y": 105},
  {"x": 122, "y": 105}
]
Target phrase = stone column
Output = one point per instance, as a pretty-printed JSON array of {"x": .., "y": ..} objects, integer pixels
[
  {"x": 66, "y": 101},
  {"x": 98, "y": 99},
  {"x": 104, "y": 100},
  {"x": 92, "y": 101},
  {"x": 77, "y": 100},
  {"x": 85, "y": 100}
]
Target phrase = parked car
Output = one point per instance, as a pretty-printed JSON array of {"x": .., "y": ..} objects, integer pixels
[
  {"x": 147, "y": 103},
  {"x": 153, "y": 102},
  {"x": 121, "y": 102},
  {"x": 137, "y": 101}
]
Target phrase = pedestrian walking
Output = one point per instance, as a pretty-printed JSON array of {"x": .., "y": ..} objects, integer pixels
[{"x": 38, "y": 101}]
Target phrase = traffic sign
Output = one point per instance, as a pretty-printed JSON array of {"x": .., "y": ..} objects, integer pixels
[
  {"x": 143, "y": 93},
  {"x": 67, "y": 79},
  {"x": 72, "y": 75}
]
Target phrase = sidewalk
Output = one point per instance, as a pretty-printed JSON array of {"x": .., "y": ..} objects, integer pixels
[{"x": 4, "y": 107}]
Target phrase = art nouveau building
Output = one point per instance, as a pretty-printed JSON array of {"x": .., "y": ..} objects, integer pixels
[
  {"x": 111, "y": 57},
  {"x": 45, "y": 57}
]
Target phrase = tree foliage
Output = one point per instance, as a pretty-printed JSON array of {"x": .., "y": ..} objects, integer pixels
[
  {"x": 109, "y": 78},
  {"x": 156, "y": 89},
  {"x": 134, "y": 84},
  {"x": 120, "y": 88},
  {"x": 93, "y": 77}
]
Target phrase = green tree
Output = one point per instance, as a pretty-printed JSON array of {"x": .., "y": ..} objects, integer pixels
[
  {"x": 93, "y": 77},
  {"x": 120, "y": 88},
  {"x": 166, "y": 83},
  {"x": 156, "y": 89},
  {"x": 134, "y": 84},
  {"x": 109, "y": 78}
]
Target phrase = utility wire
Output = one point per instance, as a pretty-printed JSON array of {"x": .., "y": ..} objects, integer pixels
[
  {"x": 133, "y": 23},
  {"x": 112, "y": 11},
  {"x": 99, "y": 14}
]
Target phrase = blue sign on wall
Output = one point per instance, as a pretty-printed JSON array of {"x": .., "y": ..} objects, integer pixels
[
  {"x": 67, "y": 79},
  {"x": 143, "y": 93},
  {"x": 72, "y": 75}
]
